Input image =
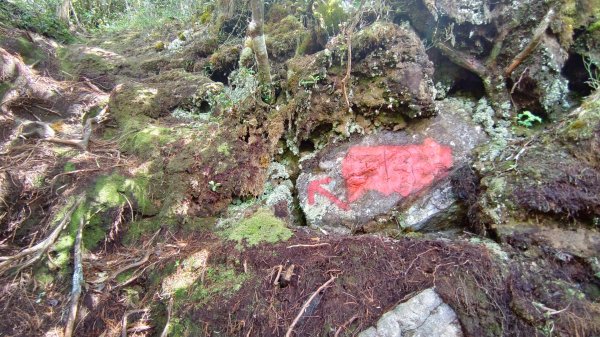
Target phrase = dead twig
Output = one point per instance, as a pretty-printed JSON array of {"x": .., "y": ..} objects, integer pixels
[
  {"x": 307, "y": 303},
  {"x": 77, "y": 281},
  {"x": 279, "y": 269},
  {"x": 309, "y": 246},
  {"x": 345, "y": 325},
  {"x": 416, "y": 258},
  {"x": 49, "y": 110},
  {"x": 349, "y": 62}
]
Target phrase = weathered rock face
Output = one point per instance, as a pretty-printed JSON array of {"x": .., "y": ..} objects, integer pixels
[
  {"x": 423, "y": 315},
  {"x": 392, "y": 176},
  {"x": 393, "y": 59},
  {"x": 474, "y": 12},
  {"x": 391, "y": 79},
  {"x": 539, "y": 84},
  {"x": 556, "y": 176}
]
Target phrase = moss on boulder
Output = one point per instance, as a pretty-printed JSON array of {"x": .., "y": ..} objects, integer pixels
[{"x": 262, "y": 227}]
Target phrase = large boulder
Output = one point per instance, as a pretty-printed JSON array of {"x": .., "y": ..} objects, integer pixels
[
  {"x": 391, "y": 178},
  {"x": 391, "y": 80}
]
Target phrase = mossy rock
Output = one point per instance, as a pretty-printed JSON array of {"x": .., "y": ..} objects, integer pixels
[
  {"x": 157, "y": 96},
  {"x": 89, "y": 62},
  {"x": 285, "y": 37},
  {"x": 587, "y": 121},
  {"x": 262, "y": 227},
  {"x": 224, "y": 61},
  {"x": 375, "y": 36}
]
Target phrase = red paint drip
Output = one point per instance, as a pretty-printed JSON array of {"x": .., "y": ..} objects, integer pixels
[
  {"x": 314, "y": 187},
  {"x": 394, "y": 169}
]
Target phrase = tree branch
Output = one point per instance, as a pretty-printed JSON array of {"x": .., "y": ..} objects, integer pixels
[
  {"x": 533, "y": 44},
  {"x": 463, "y": 60},
  {"x": 306, "y": 304}
]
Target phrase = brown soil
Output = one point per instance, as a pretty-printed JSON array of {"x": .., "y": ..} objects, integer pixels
[{"x": 373, "y": 275}]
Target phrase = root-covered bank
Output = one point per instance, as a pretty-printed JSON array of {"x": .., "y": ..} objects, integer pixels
[{"x": 313, "y": 168}]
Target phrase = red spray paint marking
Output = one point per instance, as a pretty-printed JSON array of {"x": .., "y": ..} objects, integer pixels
[
  {"x": 394, "y": 169},
  {"x": 315, "y": 187}
]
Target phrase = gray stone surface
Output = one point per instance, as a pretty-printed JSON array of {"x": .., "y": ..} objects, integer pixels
[
  {"x": 426, "y": 208},
  {"x": 424, "y": 315},
  {"x": 471, "y": 11}
]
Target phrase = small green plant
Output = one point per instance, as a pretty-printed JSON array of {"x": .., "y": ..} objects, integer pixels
[
  {"x": 214, "y": 186},
  {"x": 310, "y": 81},
  {"x": 527, "y": 119},
  {"x": 69, "y": 167},
  {"x": 224, "y": 149},
  {"x": 331, "y": 15},
  {"x": 593, "y": 73},
  {"x": 38, "y": 181}
]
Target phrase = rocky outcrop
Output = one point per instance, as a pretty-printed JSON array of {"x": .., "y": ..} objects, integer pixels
[
  {"x": 390, "y": 179},
  {"x": 425, "y": 314},
  {"x": 390, "y": 81}
]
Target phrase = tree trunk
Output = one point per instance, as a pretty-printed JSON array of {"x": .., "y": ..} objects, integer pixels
[
  {"x": 259, "y": 46},
  {"x": 64, "y": 11}
]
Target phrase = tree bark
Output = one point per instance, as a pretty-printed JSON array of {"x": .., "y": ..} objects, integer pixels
[
  {"x": 256, "y": 33},
  {"x": 64, "y": 11}
]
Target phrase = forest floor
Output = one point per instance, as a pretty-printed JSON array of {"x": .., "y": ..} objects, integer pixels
[{"x": 118, "y": 176}]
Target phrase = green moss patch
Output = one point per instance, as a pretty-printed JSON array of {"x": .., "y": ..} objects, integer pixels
[
  {"x": 146, "y": 142},
  {"x": 115, "y": 190},
  {"x": 138, "y": 228},
  {"x": 584, "y": 126},
  {"x": 221, "y": 281},
  {"x": 263, "y": 226},
  {"x": 108, "y": 193}
]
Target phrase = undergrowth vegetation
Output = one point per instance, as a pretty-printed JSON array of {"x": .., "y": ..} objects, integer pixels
[
  {"x": 36, "y": 16},
  {"x": 41, "y": 17}
]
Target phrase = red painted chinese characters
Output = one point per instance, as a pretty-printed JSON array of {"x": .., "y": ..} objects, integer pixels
[{"x": 390, "y": 169}]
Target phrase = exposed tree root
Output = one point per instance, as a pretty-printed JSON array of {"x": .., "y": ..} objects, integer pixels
[
  {"x": 493, "y": 79},
  {"x": 349, "y": 33},
  {"x": 132, "y": 265},
  {"x": 77, "y": 281},
  {"x": 25, "y": 83},
  {"x": 27, "y": 88},
  {"x": 46, "y": 132},
  {"x": 463, "y": 60},
  {"x": 165, "y": 331},
  {"x": 126, "y": 316},
  {"x": 31, "y": 255},
  {"x": 309, "y": 246}
]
